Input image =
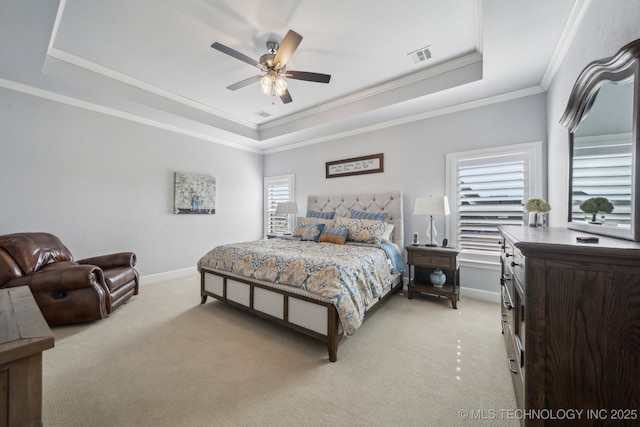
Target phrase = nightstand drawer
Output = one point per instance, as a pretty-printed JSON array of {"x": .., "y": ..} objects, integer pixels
[{"x": 428, "y": 259}]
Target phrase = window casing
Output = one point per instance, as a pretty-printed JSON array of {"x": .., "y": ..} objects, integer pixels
[
  {"x": 488, "y": 188},
  {"x": 277, "y": 189}
]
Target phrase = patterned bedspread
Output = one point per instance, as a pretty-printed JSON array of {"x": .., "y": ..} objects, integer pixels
[{"x": 351, "y": 276}]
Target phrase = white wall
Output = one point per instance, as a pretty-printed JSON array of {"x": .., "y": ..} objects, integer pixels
[
  {"x": 104, "y": 184},
  {"x": 414, "y": 154},
  {"x": 607, "y": 26}
]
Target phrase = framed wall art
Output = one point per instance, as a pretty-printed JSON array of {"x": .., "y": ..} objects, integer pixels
[
  {"x": 194, "y": 194},
  {"x": 355, "y": 166}
]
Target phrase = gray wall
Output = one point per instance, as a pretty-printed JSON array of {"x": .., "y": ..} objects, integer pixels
[
  {"x": 607, "y": 26},
  {"x": 414, "y": 153},
  {"x": 104, "y": 184}
]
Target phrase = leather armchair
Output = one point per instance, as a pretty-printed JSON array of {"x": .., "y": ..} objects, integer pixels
[{"x": 67, "y": 291}]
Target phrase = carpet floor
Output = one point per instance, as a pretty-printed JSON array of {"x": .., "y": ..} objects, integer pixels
[{"x": 163, "y": 359}]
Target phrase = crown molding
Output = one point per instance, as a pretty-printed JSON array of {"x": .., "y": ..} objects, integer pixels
[
  {"x": 68, "y": 100},
  {"x": 574, "y": 22},
  {"x": 509, "y": 96}
]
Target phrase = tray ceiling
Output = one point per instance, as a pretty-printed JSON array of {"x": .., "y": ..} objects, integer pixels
[{"x": 151, "y": 60}]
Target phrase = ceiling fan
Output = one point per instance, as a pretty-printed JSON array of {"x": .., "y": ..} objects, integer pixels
[{"x": 274, "y": 65}]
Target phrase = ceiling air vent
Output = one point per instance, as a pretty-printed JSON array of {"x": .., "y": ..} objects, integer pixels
[
  {"x": 263, "y": 114},
  {"x": 420, "y": 55}
]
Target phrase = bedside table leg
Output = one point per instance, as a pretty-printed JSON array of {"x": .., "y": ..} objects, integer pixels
[{"x": 454, "y": 302}]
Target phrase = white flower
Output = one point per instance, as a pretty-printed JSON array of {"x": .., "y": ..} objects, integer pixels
[{"x": 537, "y": 205}]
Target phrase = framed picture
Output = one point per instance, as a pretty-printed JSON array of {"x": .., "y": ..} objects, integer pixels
[
  {"x": 194, "y": 194},
  {"x": 355, "y": 166}
]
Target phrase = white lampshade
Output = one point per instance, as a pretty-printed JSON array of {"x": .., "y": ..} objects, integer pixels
[
  {"x": 287, "y": 208},
  {"x": 431, "y": 206},
  {"x": 434, "y": 205}
]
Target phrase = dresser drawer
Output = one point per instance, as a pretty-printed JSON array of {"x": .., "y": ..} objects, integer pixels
[{"x": 427, "y": 259}]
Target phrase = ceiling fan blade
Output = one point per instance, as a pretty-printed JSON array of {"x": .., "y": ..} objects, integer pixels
[
  {"x": 310, "y": 77},
  {"x": 287, "y": 47},
  {"x": 232, "y": 52},
  {"x": 286, "y": 97},
  {"x": 243, "y": 83}
]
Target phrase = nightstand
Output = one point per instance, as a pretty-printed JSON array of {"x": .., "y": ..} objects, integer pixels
[{"x": 424, "y": 260}]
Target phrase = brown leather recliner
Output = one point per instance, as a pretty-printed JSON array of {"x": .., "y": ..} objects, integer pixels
[{"x": 66, "y": 291}]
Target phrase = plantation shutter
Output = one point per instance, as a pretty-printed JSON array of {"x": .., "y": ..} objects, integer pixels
[
  {"x": 277, "y": 189},
  {"x": 491, "y": 192},
  {"x": 602, "y": 167}
]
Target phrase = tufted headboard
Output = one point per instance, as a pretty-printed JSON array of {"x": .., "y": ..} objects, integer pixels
[{"x": 385, "y": 202}]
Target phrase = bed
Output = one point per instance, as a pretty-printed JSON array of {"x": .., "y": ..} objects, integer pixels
[{"x": 309, "y": 283}]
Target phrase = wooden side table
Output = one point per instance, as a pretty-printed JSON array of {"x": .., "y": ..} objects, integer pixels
[{"x": 424, "y": 260}]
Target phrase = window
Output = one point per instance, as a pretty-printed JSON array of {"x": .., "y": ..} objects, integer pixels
[
  {"x": 488, "y": 188},
  {"x": 277, "y": 189}
]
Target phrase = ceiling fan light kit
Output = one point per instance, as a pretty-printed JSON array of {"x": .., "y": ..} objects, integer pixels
[
  {"x": 273, "y": 64},
  {"x": 273, "y": 84}
]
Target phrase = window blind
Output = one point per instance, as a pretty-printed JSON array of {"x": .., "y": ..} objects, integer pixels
[{"x": 491, "y": 192}]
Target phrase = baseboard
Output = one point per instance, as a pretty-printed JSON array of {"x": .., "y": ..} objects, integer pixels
[
  {"x": 168, "y": 275},
  {"x": 480, "y": 295}
]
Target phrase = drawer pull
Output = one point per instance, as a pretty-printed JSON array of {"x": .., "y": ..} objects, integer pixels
[
  {"x": 509, "y": 364},
  {"x": 513, "y": 263},
  {"x": 506, "y": 301},
  {"x": 504, "y": 279},
  {"x": 507, "y": 255}
]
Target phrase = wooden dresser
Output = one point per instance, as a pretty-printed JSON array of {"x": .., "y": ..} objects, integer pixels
[
  {"x": 24, "y": 335},
  {"x": 571, "y": 324}
]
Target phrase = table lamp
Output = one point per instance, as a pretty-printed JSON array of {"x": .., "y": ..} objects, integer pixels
[
  {"x": 431, "y": 206},
  {"x": 287, "y": 208}
]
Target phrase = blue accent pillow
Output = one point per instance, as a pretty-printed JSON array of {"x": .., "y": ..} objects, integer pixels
[
  {"x": 334, "y": 235},
  {"x": 312, "y": 232},
  {"x": 367, "y": 215},
  {"x": 325, "y": 215}
]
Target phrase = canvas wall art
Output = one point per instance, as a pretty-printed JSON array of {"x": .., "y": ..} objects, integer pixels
[{"x": 194, "y": 193}]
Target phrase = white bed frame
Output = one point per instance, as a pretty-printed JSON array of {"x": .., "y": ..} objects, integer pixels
[{"x": 295, "y": 308}]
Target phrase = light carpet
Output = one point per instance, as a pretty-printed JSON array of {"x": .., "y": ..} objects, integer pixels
[{"x": 163, "y": 359}]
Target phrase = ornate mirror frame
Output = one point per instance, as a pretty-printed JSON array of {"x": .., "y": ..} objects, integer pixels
[{"x": 621, "y": 67}]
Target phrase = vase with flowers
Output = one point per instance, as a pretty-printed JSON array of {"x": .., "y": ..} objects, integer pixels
[
  {"x": 537, "y": 209},
  {"x": 595, "y": 208}
]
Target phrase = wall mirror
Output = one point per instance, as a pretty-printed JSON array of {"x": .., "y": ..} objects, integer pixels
[{"x": 602, "y": 118}]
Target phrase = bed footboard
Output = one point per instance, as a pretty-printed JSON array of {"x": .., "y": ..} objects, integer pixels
[{"x": 315, "y": 318}]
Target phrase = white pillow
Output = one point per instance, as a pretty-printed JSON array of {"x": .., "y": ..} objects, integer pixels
[
  {"x": 365, "y": 230},
  {"x": 304, "y": 221}
]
